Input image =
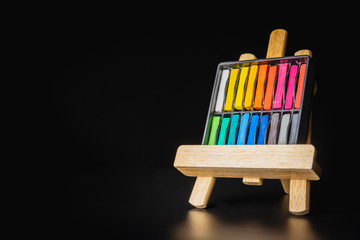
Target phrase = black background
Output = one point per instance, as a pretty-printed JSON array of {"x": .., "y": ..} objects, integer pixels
[{"x": 119, "y": 103}]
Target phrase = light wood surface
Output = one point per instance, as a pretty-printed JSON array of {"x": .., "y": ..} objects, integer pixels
[
  {"x": 299, "y": 199},
  {"x": 277, "y": 44},
  {"x": 253, "y": 161},
  {"x": 201, "y": 192}
]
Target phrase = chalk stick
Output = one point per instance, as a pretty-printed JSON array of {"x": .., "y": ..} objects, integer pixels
[
  {"x": 233, "y": 128},
  {"x": 268, "y": 99},
  {"x": 300, "y": 86},
  {"x": 278, "y": 99},
  {"x": 294, "y": 128},
  {"x": 250, "y": 87},
  {"x": 284, "y": 129},
  {"x": 243, "y": 129},
  {"x": 223, "y": 130},
  {"x": 213, "y": 131},
  {"x": 290, "y": 87},
  {"x": 241, "y": 88},
  {"x": 262, "y": 129},
  {"x": 258, "y": 102},
  {"x": 273, "y": 128},
  {"x": 251, "y": 140},
  {"x": 230, "y": 90},
  {"x": 221, "y": 92}
]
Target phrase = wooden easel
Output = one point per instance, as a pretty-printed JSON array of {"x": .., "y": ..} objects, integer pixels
[{"x": 294, "y": 165}]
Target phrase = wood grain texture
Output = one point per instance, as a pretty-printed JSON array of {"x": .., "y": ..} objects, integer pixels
[
  {"x": 277, "y": 44},
  {"x": 299, "y": 199},
  {"x": 239, "y": 161},
  {"x": 201, "y": 192}
]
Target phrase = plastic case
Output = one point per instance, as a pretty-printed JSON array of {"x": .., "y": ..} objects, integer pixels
[{"x": 303, "y": 111}]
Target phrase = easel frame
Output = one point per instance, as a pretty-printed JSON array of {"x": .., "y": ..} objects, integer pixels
[{"x": 294, "y": 165}]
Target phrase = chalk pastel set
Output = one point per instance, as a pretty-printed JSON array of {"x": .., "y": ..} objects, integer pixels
[
  {"x": 258, "y": 126},
  {"x": 260, "y": 102}
]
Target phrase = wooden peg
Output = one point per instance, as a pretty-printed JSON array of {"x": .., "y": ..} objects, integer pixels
[{"x": 277, "y": 44}]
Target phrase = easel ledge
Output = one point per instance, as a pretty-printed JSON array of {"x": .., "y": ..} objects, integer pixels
[{"x": 253, "y": 161}]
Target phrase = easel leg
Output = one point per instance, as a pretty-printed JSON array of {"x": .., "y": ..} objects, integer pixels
[
  {"x": 201, "y": 192},
  {"x": 299, "y": 200},
  {"x": 286, "y": 185}
]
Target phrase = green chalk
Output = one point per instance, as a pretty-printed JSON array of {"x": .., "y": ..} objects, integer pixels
[{"x": 214, "y": 128}]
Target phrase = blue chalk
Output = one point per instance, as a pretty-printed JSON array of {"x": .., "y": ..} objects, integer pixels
[
  {"x": 252, "y": 131},
  {"x": 243, "y": 129},
  {"x": 262, "y": 131}
]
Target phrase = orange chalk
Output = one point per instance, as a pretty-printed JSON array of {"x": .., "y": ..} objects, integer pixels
[
  {"x": 270, "y": 88},
  {"x": 260, "y": 86},
  {"x": 300, "y": 86}
]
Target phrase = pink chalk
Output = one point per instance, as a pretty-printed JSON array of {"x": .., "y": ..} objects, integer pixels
[
  {"x": 278, "y": 100},
  {"x": 290, "y": 88}
]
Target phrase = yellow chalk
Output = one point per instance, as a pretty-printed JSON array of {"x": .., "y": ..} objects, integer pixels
[
  {"x": 241, "y": 88},
  {"x": 250, "y": 87},
  {"x": 230, "y": 91}
]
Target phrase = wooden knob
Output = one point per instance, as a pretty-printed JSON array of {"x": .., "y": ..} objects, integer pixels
[
  {"x": 303, "y": 52},
  {"x": 247, "y": 56}
]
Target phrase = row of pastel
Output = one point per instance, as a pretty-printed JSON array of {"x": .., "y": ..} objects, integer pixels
[
  {"x": 261, "y": 87},
  {"x": 250, "y": 129}
]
